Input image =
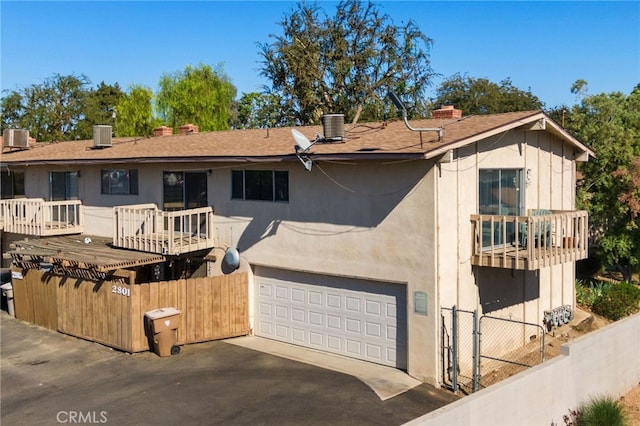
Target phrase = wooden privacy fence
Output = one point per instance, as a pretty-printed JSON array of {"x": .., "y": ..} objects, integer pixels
[{"x": 112, "y": 312}]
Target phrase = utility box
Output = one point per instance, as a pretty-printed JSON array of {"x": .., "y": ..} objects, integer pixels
[{"x": 163, "y": 324}]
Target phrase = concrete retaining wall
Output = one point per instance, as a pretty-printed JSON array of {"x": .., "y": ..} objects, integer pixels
[{"x": 605, "y": 362}]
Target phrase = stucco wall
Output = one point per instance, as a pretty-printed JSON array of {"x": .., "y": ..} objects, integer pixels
[
  {"x": 549, "y": 183},
  {"x": 605, "y": 362}
]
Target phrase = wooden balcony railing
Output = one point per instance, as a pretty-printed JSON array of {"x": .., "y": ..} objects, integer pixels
[
  {"x": 34, "y": 216},
  {"x": 541, "y": 239},
  {"x": 143, "y": 227}
]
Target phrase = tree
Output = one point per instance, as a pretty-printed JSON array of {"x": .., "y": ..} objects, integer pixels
[
  {"x": 610, "y": 125},
  {"x": 50, "y": 110},
  {"x": 99, "y": 108},
  {"x": 197, "y": 95},
  {"x": 344, "y": 63},
  {"x": 259, "y": 110},
  {"x": 481, "y": 96},
  {"x": 134, "y": 112}
]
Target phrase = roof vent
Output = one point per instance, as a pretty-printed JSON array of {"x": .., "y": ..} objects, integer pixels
[
  {"x": 15, "y": 138},
  {"x": 101, "y": 136},
  {"x": 333, "y": 127}
]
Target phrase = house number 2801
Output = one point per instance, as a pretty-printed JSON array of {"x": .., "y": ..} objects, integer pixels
[{"x": 122, "y": 291}]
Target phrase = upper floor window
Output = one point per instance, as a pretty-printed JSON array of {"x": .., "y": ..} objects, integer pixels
[
  {"x": 63, "y": 186},
  {"x": 263, "y": 185},
  {"x": 12, "y": 184},
  {"x": 501, "y": 192},
  {"x": 184, "y": 190},
  {"x": 120, "y": 181}
]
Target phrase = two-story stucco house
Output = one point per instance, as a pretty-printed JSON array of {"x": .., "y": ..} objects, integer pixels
[{"x": 353, "y": 244}]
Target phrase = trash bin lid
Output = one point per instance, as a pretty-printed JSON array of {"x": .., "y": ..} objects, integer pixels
[{"x": 162, "y": 312}]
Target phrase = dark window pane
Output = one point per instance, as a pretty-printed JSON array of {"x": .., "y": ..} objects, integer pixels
[
  {"x": 133, "y": 181},
  {"x": 173, "y": 183},
  {"x": 7, "y": 185},
  {"x": 18, "y": 184},
  {"x": 57, "y": 186},
  {"x": 237, "y": 184},
  {"x": 259, "y": 185},
  {"x": 195, "y": 189},
  {"x": 282, "y": 186}
]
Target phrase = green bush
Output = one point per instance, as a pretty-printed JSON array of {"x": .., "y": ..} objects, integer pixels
[
  {"x": 617, "y": 301},
  {"x": 601, "y": 411},
  {"x": 587, "y": 293}
]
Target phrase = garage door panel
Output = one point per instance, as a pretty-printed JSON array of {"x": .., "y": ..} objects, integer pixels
[
  {"x": 353, "y": 325},
  {"x": 334, "y": 343},
  {"x": 297, "y": 295},
  {"x": 359, "y": 320},
  {"x": 334, "y": 301},
  {"x": 334, "y": 322}
]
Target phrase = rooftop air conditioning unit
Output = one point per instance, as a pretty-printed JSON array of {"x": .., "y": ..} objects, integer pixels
[
  {"x": 15, "y": 138},
  {"x": 101, "y": 136},
  {"x": 333, "y": 127}
]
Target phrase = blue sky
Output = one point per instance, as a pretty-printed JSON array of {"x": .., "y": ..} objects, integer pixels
[{"x": 543, "y": 46}]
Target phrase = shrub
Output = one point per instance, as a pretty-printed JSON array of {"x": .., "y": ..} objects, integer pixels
[
  {"x": 601, "y": 411},
  {"x": 617, "y": 301},
  {"x": 587, "y": 293}
]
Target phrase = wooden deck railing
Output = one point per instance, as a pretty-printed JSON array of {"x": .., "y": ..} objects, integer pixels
[
  {"x": 541, "y": 239},
  {"x": 34, "y": 216},
  {"x": 143, "y": 227}
]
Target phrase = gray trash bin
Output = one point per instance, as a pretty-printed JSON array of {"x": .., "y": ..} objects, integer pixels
[
  {"x": 7, "y": 292},
  {"x": 7, "y": 289}
]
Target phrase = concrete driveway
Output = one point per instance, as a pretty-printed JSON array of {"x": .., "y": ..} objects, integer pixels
[{"x": 49, "y": 378}]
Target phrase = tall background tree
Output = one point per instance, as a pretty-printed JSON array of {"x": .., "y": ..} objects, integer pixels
[
  {"x": 480, "y": 96},
  {"x": 50, "y": 110},
  {"x": 99, "y": 108},
  {"x": 345, "y": 63},
  {"x": 198, "y": 95},
  {"x": 134, "y": 112},
  {"x": 609, "y": 123}
]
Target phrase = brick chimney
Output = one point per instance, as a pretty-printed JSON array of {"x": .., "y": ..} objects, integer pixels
[
  {"x": 188, "y": 129},
  {"x": 446, "y": 112},
  {"x": 162, "y": 131}
]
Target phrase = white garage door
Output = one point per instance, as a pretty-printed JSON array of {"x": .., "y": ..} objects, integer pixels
[{"x": 355, "y": 318}]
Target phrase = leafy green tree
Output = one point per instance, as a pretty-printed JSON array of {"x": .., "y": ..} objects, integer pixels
[
  {"x": 13, "y": 109},
  {"x": 50, "y": 110},
  {"x": 610, "y": 125},
  {"x": 199, "y": 95},
  {"x": 259, "y": 110},
  {"x": 475, "y": 96},
  {"x": 344, "y": 63},
  {"x": 134, "y": 112},
  {"x": 99, "y": 108}
]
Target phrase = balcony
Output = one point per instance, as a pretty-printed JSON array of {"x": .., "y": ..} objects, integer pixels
[
  {"x": 143, "y": 227},
  {"x": 34, "y": 216},
  {"x": 543, "y": 238}
]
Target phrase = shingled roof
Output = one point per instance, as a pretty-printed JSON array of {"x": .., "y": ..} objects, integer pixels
[{"x": 367, "y": 140}]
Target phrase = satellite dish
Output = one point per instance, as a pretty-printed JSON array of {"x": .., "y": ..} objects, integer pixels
[
  {"x": 301, "y": 140},
  {"x": 231, "y": 259},
  {"x": 303, "y": 143}
]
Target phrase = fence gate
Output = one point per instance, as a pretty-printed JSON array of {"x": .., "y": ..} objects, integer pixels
[
  {"x": 479, "y": 352},
  {"x": 459, "y": 343},
  {"x": 506, "y": 347}
]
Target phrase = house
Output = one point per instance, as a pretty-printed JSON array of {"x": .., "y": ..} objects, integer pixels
[{"x": 353, "y": 240}]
